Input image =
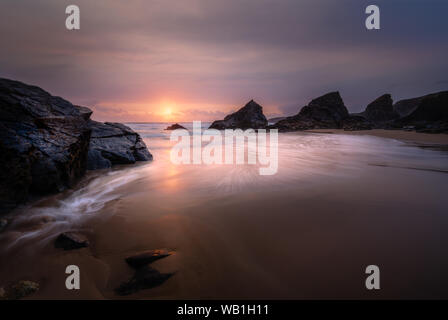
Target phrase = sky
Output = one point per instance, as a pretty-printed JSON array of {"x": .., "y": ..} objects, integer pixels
[{"x": 172, "y": 60}]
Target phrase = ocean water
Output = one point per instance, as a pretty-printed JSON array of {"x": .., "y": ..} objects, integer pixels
[{"x": 337, "y": 201}]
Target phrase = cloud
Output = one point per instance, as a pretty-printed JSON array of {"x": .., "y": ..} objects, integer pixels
[{"x": 217, "y": 55}]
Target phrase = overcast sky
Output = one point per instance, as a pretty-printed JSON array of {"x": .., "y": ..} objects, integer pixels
[{"x": 152, "y": 60}]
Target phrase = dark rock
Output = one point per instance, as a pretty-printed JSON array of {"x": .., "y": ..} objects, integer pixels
[
  {"x": 355, "y": 123},
  {"x": 43, "y": 143},
  {"x": 175, "y": 127},
  {"x": 71, "y": 241},
  {"x": 141, "y": 259},
  {"x": 325, "y": 112},
  {"x": 19, "y": 290},
  {"x": 430, "y": 115},
  {"x": 84, "y": 112},
  {"x": 144, "y": 278},
  {"x": 381, "y": 111},
  {"x": 407, "y": 106},
  {"x": 114, "y": 143},
  {"x": 248, "y": 117}
]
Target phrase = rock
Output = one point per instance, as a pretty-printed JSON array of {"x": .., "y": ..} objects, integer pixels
[
  {"x": 19, "y": 290},
  {"x": 144, "y": 278},
  {"x": 141, "y": 259},
  {"x": 355, "y": 123},
  {"x": 175, "y": 127},
  {"x": 46, "y": 144},
  {"x": 71, "y": 241},
  {"x": 43, "y": 143},
  {"x": 430, "y": 115},
  {"x": 325, "y": 112},
  {"x": 248, "y": 117},
  {"x": 381, "y": 111},
  {"x": 114, "y": 143},
  {"x": 275, "y": 120}
]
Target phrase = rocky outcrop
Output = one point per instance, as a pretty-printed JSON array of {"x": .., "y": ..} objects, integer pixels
[
  {"x": 248, "y": 117},
  {"x": 356, "y": 123},
  {"x": 381, "y": 111},
  {"x": 45, "y": 141},
  {"x": 325, "y": 112},
  {"x": 430, "y": 114},
  {"x": 175, "y": 127},
  {"x": 114, "y": 143}
]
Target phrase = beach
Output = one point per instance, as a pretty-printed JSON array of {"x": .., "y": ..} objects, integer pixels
[{"x": 340, "y": 201}]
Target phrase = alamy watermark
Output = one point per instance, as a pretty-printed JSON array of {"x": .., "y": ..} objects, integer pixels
[{"x": 231, "y": 146}]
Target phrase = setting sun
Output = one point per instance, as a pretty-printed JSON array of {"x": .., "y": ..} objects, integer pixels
[{"x": 168, "y": 112}]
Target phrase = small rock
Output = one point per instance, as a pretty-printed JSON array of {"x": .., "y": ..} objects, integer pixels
[
  {"x": 175, "y": 127},
  {"x": 144, "y": 278},
  {"x": 19, "y": 290},
  {"x": 71, "y": 241},
  {"x": 141, "y": 259}
]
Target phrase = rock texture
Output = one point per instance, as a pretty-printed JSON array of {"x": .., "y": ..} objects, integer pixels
[
  {"x": 44, "y": 143},
  {"x": 114, "y": 143},
  {"x": 175, "y": 127},
  {"x": 430, "y": 115},
  {"x": 325, "y": 112},
  {"x": 407, "y": 106},
  {"x": 381, "y": 111},
  {"x": 248, "y": 117},
  {"x": 355, "y": 123}
]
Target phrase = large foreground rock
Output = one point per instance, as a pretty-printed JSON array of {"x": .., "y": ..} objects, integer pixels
[
  {"x": 45, "y": 141},
  {"x": 325, "y": 112},
  {"x": 114, "y": 143},
  {"x": 248, "y": 117}
]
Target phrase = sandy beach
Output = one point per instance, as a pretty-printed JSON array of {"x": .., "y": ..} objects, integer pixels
[
  {"x": 410, "y": 136},
  {"x": 339, "y": 202}
]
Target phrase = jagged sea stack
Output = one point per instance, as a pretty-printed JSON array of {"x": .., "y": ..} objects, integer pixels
[
  {"x": 248, "y": 117},
  {"x": 325, "y": 112},
  {"x": 381, "y": 111}
]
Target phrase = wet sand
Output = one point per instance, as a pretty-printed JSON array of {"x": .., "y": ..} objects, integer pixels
[
  {"x": 307, "y": 232},
  {"x": 410, "y": 136}
]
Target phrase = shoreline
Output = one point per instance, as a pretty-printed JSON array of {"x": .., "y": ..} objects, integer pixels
[{"x": 407, "y": 136}]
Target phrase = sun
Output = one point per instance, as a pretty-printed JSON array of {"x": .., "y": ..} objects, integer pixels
[{"x": 168, "y": 112}]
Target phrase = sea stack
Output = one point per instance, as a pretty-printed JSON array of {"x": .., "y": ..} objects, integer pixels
[
  {"x": 248, "y": 117},
  {"x": 327, "y": 111},
  {"x": 381, "y": 111}
]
